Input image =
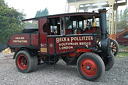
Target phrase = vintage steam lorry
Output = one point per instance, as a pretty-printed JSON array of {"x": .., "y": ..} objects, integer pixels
[{"x": 79, "y": 39}]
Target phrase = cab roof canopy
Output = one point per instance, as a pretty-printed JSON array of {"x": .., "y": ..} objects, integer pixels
[{"x": 84, "y": 14}]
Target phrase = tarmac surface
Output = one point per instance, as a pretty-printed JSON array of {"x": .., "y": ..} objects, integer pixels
[{"x": 60, "y": 74}]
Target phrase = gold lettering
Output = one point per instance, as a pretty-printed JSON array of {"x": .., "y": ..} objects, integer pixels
[
  {"x": 20, "y": 41},
  {"x": 66, "y": 47},
  {"x": 21, "y": 38},
  {"x": 68, "y": 39},
  {"x": 57, "y": 40},
  {"x": 85, "y": 43},
  {"x": 71, "y": 39},
  {"x": 83, "y": 38}
]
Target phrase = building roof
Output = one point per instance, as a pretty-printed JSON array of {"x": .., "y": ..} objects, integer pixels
[
  {"x": 126, "y": 36},
  {"x": 119, "y": 30},
  {"x": 122, "y": 32}
]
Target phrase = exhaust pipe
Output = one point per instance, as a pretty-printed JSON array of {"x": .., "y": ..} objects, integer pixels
[
  {"x": 103, "y": 23},
  {"x": 104, "y": 34}
]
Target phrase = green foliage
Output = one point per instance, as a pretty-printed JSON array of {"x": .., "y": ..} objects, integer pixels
[
  {"x": 31, "y": 25},
  {"x": 122, "y": 46},
  {"x": 126, "y": 14},
  {"x": 42, "y": 13},
  {"x": 122, "y": 19},
  {"x": 10, "y": 22},
  {"x": 122, "y": 55}
]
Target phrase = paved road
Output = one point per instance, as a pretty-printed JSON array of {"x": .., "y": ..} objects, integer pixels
[{"x": 61, "y": 74}]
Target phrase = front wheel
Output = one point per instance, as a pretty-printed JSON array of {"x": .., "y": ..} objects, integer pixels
[
  {"x": 109, "y": 62},
  {"x": 25, "y": 62},
  {"x": 90, "y": 66}
]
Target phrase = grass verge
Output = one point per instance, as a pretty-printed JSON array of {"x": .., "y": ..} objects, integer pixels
[{"x": 120, "y": 55}]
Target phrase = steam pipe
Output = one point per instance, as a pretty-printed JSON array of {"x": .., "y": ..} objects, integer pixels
[{"x": 103, "y": 22}]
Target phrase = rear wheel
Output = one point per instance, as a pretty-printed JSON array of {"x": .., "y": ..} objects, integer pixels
[
  {"x": 25, "y": 62},
  {"x": 90, "y": 66}
]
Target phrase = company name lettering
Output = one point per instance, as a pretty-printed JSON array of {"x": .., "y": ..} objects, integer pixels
[{"x": 83, "y": 38}]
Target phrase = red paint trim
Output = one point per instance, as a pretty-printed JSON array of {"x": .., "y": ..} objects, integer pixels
[
  {"x": 21, "y": 62},
  {"x": 88, "y": 67}
]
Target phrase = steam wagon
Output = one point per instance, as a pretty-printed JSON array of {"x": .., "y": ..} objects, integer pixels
[{"x": 79, "y": 39}]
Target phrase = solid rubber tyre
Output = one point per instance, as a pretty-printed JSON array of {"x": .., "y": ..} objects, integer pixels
[
  {"x": 25, "y": 62},
  {"x": 114, "y": 46},
  {"x": 110, "y": 63},
  {"x": 90, "y": 66}
]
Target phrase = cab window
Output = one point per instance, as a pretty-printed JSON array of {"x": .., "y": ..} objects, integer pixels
[{"x": 52, "y": 26}]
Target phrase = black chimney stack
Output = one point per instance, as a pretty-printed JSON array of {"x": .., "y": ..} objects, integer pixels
[{"x": 103, "y": 22}]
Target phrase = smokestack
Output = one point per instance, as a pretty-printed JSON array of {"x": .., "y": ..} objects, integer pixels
[{"x": 103, "y": 22}]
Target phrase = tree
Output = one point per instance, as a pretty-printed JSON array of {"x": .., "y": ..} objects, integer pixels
[
  {"x": 122, "y": 22},
  {"x": 42, "y": 13},
  {"x": 1, "y": 1},
  {"x": 126, "y": 14},
  {"x": 10, "y": 22}
]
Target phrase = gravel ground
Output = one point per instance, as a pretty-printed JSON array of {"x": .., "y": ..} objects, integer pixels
[{"x": 59, "y": 74}]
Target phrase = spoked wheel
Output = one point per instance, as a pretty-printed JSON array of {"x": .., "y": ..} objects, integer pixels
[
  {"x": 25, "y": 62},
  {"x": 90, "y": 66},
  {"x": 114, "y": 46},
  {"x": 50, "y": 60}
]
